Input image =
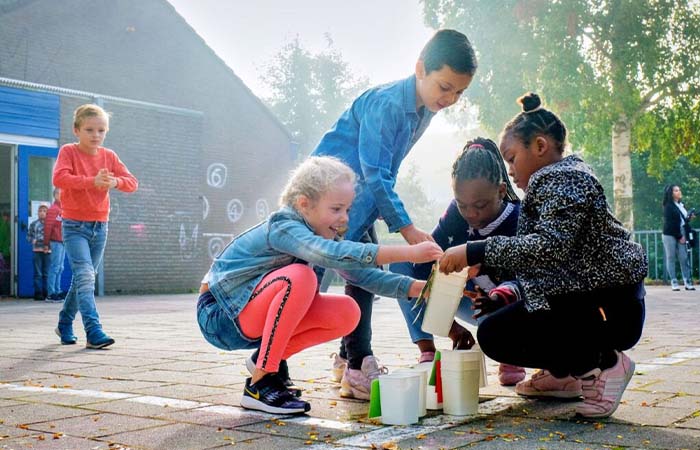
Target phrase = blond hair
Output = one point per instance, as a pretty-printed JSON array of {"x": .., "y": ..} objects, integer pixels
[
  {"x": 82, "y": 112},
  {"x": 314, "y": 177}
]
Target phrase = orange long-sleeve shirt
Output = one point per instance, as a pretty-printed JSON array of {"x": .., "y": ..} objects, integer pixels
[{"x": 74, "y": 173}]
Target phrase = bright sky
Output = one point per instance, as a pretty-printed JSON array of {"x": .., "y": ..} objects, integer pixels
[{"x": 380, "y": 39}]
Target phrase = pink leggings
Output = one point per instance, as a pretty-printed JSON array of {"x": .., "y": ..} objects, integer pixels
[{"x": 290, "y": 315}]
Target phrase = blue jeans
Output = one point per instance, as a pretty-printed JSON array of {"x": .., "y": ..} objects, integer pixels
[
  {"x": 218, "y": 328},
  {"x": 58, "y": 254},
  {"x": 85, "y": 245},
  {"x": 414, "y": 317},
  {"x": 41, "y": 273},
  {"x": 675, "y": 250}
]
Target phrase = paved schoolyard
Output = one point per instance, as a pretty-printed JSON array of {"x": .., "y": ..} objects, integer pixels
[{"x": 161, "y": 386}]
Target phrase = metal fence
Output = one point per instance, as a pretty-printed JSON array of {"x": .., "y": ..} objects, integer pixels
[{"x": 654, "y": 247}]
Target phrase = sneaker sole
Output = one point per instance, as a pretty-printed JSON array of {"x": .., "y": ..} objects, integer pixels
[
  {"x": 58, "y": 333},
  {"x": 99, "y": 346},
  {"x": 566, "y": 395},
  {"x": 617, "y": 403},
  {"x": 251, "y": 403}
]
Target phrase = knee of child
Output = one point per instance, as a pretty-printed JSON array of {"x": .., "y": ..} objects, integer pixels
[
  {"x": 302, "y": 274},
  {"x": 85, "y": 277}
]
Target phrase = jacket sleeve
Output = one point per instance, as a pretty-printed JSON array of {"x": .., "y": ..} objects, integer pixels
[
  {"x": 377, "y": 147},
  {"x": 294, "y": 238},
  {"x": 377, "y": 281}
]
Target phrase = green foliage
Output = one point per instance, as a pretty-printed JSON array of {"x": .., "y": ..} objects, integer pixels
[
  {"x": 310, "y": 91},
  {"x": 593, "y": 61}
]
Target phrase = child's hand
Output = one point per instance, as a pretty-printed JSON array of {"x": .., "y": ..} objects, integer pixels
[
  {"x": 486, "y": 304},
  {"x": 424, "y": 252},
  {"x": 414, "y": 235},
  {"x": 454, "y": 259},
  {"x": 104, "y": 179},
  {"x": 462, "y": 339},
  {"x": 416, "y": 288}
]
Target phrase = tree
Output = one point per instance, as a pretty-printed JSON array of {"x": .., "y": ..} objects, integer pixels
[
  {"x": 423, "y": 211},
  {"x": 623, "y": 74},
  {"x": 310, "y": 91}
]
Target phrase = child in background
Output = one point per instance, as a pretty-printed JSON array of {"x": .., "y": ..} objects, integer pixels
[
  {"x": 373, "y": 137},
  {"x": 580, "y": 292},
  {"x": 262, "y": 293},
  {"x": 85, "y": 172},
  {"x": 40, "y": 252},
  {"x": 53, "y": 239},
  {"x": 484, "y": 205}
]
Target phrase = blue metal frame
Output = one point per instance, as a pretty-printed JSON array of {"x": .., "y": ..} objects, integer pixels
[{"x": 25, "y": 264}]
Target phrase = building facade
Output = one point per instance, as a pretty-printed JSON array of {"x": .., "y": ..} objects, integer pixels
[{"x": 210, "y": 157}]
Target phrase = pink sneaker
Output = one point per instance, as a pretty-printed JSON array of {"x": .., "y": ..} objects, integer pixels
[
  {"x": 544, "y": 384},
  {"x": 356, "y": 383},
  {"x": 602, "y": 390},
  {"x": 339, "y": 365},
  {"x": 509, "y": 375}
]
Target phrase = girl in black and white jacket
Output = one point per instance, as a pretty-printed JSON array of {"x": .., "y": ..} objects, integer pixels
[{"x": 579, "y": 278}]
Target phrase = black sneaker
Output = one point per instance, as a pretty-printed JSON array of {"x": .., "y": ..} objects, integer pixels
[
  {"x": 282, "y": 373},
  {"x": 270, "y": 395}
]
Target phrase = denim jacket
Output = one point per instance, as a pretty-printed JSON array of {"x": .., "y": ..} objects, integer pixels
[
  {"x": 373, "y": 137},
  {"x": 283, "y": 239}
]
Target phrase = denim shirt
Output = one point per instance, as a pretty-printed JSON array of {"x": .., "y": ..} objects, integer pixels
[
  {"x": 283, "y": 239},
  {"x": 373, "y": 137}
]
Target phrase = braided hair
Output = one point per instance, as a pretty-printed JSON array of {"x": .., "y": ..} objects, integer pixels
[
  {"x": 480, "y": 158},
  {"x": 534, "y": 120}
]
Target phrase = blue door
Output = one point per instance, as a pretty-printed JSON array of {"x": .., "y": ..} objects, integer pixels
[{"x": 34, "y": 170}]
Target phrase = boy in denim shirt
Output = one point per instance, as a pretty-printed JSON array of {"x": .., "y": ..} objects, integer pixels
[{"x": 373, "y": 137}]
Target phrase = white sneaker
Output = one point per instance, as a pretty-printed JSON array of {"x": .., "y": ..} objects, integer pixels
[
  {"x": 339, "y": 365},
  {"x": 357, "y": 383}
]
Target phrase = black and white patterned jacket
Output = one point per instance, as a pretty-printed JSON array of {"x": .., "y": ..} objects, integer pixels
[{"x": 567, "y": 240}]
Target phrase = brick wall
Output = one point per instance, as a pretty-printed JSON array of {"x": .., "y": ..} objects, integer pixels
[{"x": 161, "y": 237}]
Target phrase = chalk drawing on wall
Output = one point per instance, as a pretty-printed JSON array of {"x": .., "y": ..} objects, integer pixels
[
  {"x": 216, "y": 175},
  {"x": 234, "y": 210},
  {"x": 188, "y": 241},
  {"x": 217, "y": 242},
  {"x": 261, "y": 209},
  {"x": 205, "y": 207}
]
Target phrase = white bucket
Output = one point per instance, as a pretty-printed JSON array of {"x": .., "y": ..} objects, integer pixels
[
  {"x": 461, "y": 377},
  {"x": 424, "y": 374},
  {"x": 460, "y": 391},
  {"x": 446, "y": 293},
  {"x": 400, "y": 397},
  {"x": 463, "y": 359}
]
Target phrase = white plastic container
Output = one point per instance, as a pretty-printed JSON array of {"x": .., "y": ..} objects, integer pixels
[
  {"x": 424, "y": 373},
  {"x": 446, "y": 293},
  {"x": 461, "y": 377},
  {"x": 400, "y": 397}
]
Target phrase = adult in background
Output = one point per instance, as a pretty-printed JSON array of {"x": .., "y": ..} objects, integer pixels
[{"x": 676, "y": 226}]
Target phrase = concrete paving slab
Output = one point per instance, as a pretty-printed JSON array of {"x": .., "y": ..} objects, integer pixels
[{"x": 98, "y": 425}]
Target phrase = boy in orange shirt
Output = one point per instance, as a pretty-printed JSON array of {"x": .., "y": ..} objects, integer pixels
[{"x": 85, "y": 172}]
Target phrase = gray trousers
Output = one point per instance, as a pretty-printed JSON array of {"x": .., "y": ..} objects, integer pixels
[{"x": 675, "y": 250}]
